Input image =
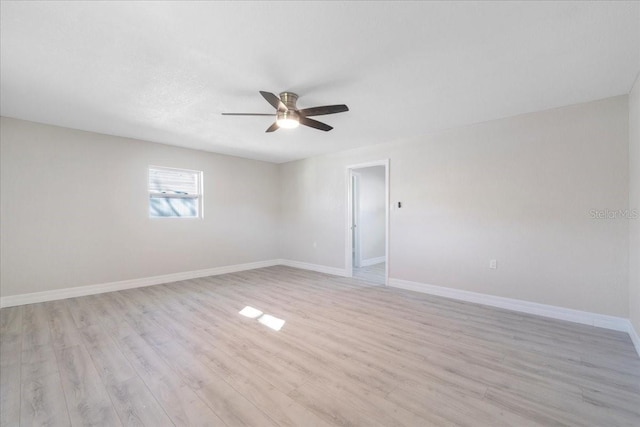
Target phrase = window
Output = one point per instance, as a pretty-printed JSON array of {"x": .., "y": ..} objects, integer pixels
[{"x": 174, "y": 193}]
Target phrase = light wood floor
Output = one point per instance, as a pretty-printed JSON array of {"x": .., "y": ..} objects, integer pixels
[
  {"x": 373, "y": 273},
  {"x": 350, "y": 353}
]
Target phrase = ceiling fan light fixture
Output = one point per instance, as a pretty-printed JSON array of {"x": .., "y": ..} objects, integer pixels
[
  {"x": 288, "y": 123},
  {"x": 288, "y": 119},
  {"x": 288, "y": 116}
]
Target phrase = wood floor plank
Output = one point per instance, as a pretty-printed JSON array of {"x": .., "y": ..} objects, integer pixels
[
  {"x": 443, "y": 405},
  {"x": 109, "y": 316},
  {"x": 136, "y": 405},
  {"x": 281, "y": 408},
  {"x": 260, "y": 392},
  {"x": 179, "y": 401},
  {"x": 11, "y": 337},
  {"x": 335, "y": 404},
  {"x": 228, "y": 404},
  {"x": 249, "y": 356},
  {"x": 231, "y": 406},
  {"x": 35, "y": 329},
  {"x": 82, "y": 312},
  {"x": 349, "y": 353},
  {"x": 10, "y": 390},
  {"x": 624, "y": 403},
  {"x": 107, "y": 357},
  {"x": 536, "y": 412},
  {"x": 87, "y": 399},
  {"x": 133, "y": 401},
  {"x": 43, "y": 401},
  {"x": 38, "y": 356},
  {"x": 64, "y": 332},
  {"x": 42, "y": 397}
]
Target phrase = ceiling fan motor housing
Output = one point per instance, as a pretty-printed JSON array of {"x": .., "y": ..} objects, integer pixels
[
  {"x": 289, "y": 99},
  {"x": 288, "y": 115}
]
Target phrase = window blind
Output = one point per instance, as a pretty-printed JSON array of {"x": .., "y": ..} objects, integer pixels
[{"x": 173, "y": 181}]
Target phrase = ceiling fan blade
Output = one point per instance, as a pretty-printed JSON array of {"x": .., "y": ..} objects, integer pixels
[
  {"x": 315, "y": 124},
  {"x": 273, "y": 100},
  {"x": 274, "y": 127},
  {"x": 248, "y": 114},
  {"x": 321, "y": 111}
]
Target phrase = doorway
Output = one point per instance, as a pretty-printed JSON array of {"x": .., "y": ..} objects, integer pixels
[{"x": 367, "y": 242}]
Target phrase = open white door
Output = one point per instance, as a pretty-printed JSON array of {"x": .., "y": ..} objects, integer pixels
[{"x": 354, "y": 233}]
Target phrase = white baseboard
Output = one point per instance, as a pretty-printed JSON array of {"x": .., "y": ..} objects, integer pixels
[
  {"x": 314, "y": 267},
  {"x": 634, "y": 337},
  {"x": 554, "y": 312},
  {"x": 79, "y": 291},
  {"x": 372, "y": 261},
  {"x": 577, "y": 316}
]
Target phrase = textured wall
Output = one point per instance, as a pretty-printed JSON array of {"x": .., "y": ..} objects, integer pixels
[
  {"x": 525, "y": 190},
  {"x": 75, "y": 210}
]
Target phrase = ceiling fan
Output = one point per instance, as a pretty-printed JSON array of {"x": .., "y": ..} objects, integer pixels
[{"x": 288, "y": 116}]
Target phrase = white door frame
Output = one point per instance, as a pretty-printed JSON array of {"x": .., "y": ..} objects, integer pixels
[
  {"x": 349, "y": 215},
  {"x": 356, "y": 243}
]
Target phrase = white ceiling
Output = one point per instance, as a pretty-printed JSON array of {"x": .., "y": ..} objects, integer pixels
[{"x": 164, "y": 71}]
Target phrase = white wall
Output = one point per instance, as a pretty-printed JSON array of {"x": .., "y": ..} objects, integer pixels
[
  {"x": 634, "y": 203},
  {"x": 519, "y": 190},
  {"x": 74, "y": 210},
  {"x": 372, "y": 212}
]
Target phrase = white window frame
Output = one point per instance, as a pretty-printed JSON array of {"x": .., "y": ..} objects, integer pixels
[{"x": 199, "y": 196}]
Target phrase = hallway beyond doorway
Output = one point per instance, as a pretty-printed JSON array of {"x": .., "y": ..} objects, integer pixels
[{"x": 373, "y": 273}]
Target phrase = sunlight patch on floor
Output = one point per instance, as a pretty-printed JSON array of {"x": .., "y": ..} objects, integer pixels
[
  {"x": 266, "y": 319},
  {"x": 250, "y": 312}
]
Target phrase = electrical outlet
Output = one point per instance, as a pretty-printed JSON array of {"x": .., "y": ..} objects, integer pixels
[{"x": 493, "y": 264}]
